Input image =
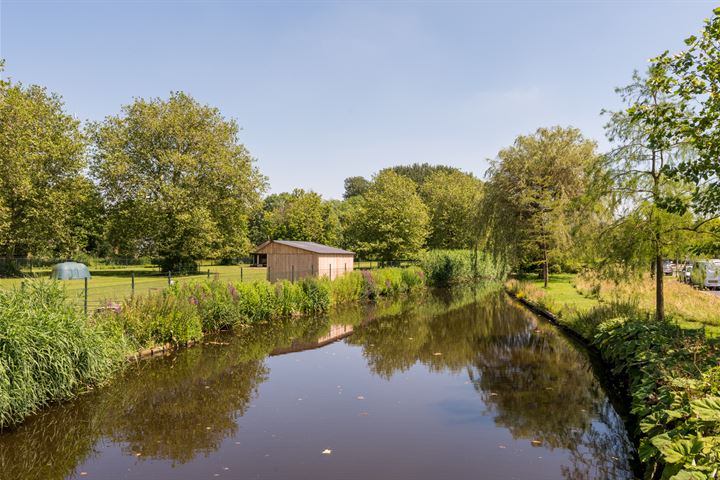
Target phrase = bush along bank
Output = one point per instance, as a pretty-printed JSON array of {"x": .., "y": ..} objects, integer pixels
[
  {"x": 50, "y": 352},
  {"x": 451, "y": 267},
  {"x": 673, "y": 379}
]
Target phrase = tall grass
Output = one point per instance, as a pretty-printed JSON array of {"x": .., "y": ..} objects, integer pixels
[
  {"x": 48, "y": 351},
  {"x": 681, "y": 300},
  {"x": 450, "y": 267}
]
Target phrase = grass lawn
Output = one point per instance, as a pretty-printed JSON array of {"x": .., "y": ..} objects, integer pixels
[
  {"x": 690, "y": 308},
  {"x": 115, "y": 284}
]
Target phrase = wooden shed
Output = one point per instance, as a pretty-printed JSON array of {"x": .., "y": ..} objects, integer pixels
[{"x": 291, "y": 260}]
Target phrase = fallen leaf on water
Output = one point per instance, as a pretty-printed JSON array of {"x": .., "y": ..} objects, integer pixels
[
  {"x": 502, "y": 446},
  {"x": 437, "y": 353},
  {"x": 83, "y": 473},
  {"x": 327, "y": 451},
  {"x": 536, "y": 443},
  {"x": 360, "y": 397}
]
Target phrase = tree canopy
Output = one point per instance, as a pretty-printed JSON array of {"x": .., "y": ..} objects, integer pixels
[
  {"x": 533, "y": 187},
  {"x": 298, "y": 215},
  {"x": 176, "y": 181},
  {"x": 389, "y": 221},
  {"x": 42, "y": 156}
]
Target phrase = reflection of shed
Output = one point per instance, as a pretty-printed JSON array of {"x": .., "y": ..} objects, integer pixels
[{"x": 291, "y": 260}]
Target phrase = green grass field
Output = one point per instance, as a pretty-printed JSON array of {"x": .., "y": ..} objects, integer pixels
[
  {"x": 115, "y": 284},
  {"x": 562, "y": 293}
]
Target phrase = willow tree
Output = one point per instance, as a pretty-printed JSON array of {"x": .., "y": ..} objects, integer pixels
[
  {"x": 176, "y": 181},
  {"x": 532, "y": 195}
]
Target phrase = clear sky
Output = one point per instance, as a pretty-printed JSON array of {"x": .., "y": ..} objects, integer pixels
[{"x": 329, "y": 89}]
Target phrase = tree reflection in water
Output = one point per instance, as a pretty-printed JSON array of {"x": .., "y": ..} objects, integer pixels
[{"x": 531, "y": 380}]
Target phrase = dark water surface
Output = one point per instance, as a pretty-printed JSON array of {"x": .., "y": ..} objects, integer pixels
[{"x": 443, "y": 386}]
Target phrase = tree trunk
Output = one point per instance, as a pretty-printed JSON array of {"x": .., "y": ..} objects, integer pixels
[
  {"x": 659, "y": 288},
  {"x": 545, "y": 268}
]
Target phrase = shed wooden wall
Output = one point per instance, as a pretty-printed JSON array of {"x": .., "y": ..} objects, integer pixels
[
  {"x": 334, "y": 266},
  {"x": 286, "y": 262}
]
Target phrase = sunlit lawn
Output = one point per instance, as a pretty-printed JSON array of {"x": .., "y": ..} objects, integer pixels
[
  {"x": 115, "y": 284},
  {"x": 689, "y": 307}
]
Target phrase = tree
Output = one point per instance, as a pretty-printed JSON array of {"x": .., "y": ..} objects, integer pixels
[
  {"x": 420, "y": 172},
  {"x": 176, "y": 181},
  {"x": 298, "y": 215},
  {"x": 534, "y": 187},
  {"x": 692, "y": 79},
  {"x": 389, "y": 221},
  {"x": 453, "y": 200},
  {"x": 649, "y": 207},
  {"x": 42, "y": 155},
  {"x": 355, "y": 186}
]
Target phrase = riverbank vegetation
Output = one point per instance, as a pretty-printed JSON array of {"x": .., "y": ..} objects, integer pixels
[
  {"x": 672, "y": 375},
  {"x": 49, "y": 351}
]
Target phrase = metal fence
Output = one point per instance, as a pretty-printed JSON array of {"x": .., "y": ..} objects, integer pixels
[{"x": 110, "y": 285}]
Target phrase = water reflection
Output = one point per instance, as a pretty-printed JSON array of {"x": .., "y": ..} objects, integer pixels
[{"x": 529, "y": 379}]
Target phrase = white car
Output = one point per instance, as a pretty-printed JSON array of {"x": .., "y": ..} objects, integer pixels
[{"x": 708, "y": 274}]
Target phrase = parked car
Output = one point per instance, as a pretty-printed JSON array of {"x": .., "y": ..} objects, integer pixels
[
  {"x": 706, "y": 274},
  {"x": 686, "y": 276},
  {"x": 668, "y": 267}
]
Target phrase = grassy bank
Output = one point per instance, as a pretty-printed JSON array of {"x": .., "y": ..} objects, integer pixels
[
  {"x": 672, "y": 375},
  {"x": 49, "y": 351}
]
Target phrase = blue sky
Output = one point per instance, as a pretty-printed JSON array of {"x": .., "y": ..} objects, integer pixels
[{"x": 329, "y": 89}]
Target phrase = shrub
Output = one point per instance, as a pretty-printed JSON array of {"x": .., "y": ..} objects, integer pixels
[
  {"x": 49, "y": 351},
  {"x": 165, "y": 317},
  {"x": 348, "y": 288}
]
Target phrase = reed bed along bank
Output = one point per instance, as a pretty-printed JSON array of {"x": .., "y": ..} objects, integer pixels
[{"x": 50, "y": 352}]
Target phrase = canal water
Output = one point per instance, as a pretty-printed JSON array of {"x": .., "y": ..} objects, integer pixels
[{"x": 439, "y": 386}]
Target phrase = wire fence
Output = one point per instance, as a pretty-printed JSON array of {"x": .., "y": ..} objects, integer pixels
[{"x": 109, "y": 286}]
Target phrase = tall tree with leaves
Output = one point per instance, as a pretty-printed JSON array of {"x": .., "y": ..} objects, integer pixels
[
  {"x": 453, "y": 200},
  {"x": 176, "y": 181},
  {"x": 389, "y": 221},
  {"x": 691, "y": 78},
  {"x": 42, "y": 156},
  {"x": 298, "y": 215},
  {"x": 648, "y": 207},
  {"x": 532, "y": 194}
]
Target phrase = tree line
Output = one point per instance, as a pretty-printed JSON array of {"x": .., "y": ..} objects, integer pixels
[
  {"x": 169, "y": 178},
  {"x": 552, "y": 201}
]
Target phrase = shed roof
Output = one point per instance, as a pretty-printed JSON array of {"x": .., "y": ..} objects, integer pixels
[{"x": 307, "y": 246}]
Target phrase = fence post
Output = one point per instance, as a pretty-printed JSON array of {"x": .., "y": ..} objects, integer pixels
[
  {"x": 132, "y": 283},
  {"x": 330, "y": 269},
  {"x": 169, "y": 277},
  {"x": 292, "y": 274},
  {"x": 86, "y": 292},
  {"x": 208, "y": 274},
  {"x": 241, "y": 274},
  {"x": 312, "y": 269}
]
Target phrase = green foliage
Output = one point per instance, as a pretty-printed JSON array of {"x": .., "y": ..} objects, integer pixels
[
  {"x": 48, "y": 351},
  {"x": 447, "y": 267},
  {"x": 690, "y": 78},
  {"x": 389, "y": 221},
  {"x": 533, "y": 197},
  {"x": 453, "y": 201},
  {"x": 298, "y": 215},
  {"x": 175, "y": 181},
  {"x": 355, "y": 186},
  {"x": 675, "y": 389},
  {"x": 166, "y": 317},
  {"x": 44, "y": 200}
]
